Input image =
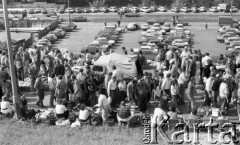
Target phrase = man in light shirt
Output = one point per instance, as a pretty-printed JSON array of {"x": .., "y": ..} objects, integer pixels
[
  {"x": 205, "y": 59},
  {"x": 223, "y": 93},
  {"x": 169, "y": 55},
  {"x": 208, "y": 90},
  {"x": 181, "y": 82},
  {"x": 116, "y": 72},
  {"x": 112, "y": 90},
  {"x": 103, "y": 104}
]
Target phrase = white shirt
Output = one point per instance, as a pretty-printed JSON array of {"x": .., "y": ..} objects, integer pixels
[
  {"x": 169, "y": 55},
  {"x": 185, "y": 53},
  {"x": 223, "y": 90},
  {"x": 111, "y": 86},
  {"x": 81, "y": 77},
  {"x": 209, "y": 84},
  {"x": 182, "y": 78},
  {"x": 158, "y": 116},
  {"x": 122, "y": 86},
  {"x": 60, "y": 109},
  {"x": 5, "y": 105},
  {"x": 166, "y": 84},
  {"x": 205, "y": 60},
  {"x": 83, "y": 114},
  {"x": 3, "y": 59},
  {"x": 103, "y": 102}
]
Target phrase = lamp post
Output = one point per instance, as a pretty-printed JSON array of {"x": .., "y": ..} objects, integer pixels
[
  {"x": 16, "y": 100},
  {"x": 69, "y": 20}
]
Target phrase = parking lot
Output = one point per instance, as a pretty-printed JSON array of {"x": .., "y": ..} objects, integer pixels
[{"x": 85, "y": 33}]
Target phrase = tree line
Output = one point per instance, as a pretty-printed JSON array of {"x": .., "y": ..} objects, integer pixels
[{"x": 166, "y": 3}]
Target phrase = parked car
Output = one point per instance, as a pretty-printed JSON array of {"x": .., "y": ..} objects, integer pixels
[
  {"x": 156, "y": 26},
  {"x": 149, "y": 52},
  {"x": 150, "y": 32},
  {"x": 44, "y": 42},
  {"x": 166, "y": 26},
  {"x": 154, "y": 9},
  {"x": 113, "y": 9},
  {"x": 31, "y": 11},
  {"x": 145, "y": 9},
  {"x": 93, "y": 10},
  {"x": 86, "y": 10},
  {"x": 179, "y": 43},
  {"x": 202, "y": 9},
  {"x": 62, "y": 32},
  {"x": 223, "y": 37},
  {"x": 134, "y": 9},
  {"x": 175, "y": 9},
  {"x": 68, "y": 27},
  {"x": 124, "y": 10},
  {"x": 235, "y": 43},
  {"x": 50, "y": 14},
  {"x": 92, "y": 48},
  {"x": 78, "y": 10},
  {"x": 133, "y": 26},
  {"x": 61, "y": 11},
  {"x": 185, "y": 10},
  {"x": 162, "y": 9},
  {"x": 152, "y": 21},
  {"x": 182, "y": 22},
  {"x": 38, "y": 10},
  {"x": 79, "y": 19},
  {"x": 145, "y": 27},
  {"x": 195, "y": 10},
  {"x": 234, "y": 9},
  {"x": 231, "y": 39},
  {"x": 70, "y": 10},
  {"x": 103, "y": 9},
  {"x": 213, "y": 9},
  {"x": 132, "y": 15},
  {"x": 44, "y": 11}
]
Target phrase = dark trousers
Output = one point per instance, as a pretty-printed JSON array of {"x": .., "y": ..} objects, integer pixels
[
  {"x": 64, "y": 115},
  {"x": 40, "y": 96},
  {"x": 215, "y": 96},
  {"x": 20, "y": 73},
  {"x": 182, "y": 93},
  {"x": 52, "y": 93},
  {"x": 223, "y": 102},
  {"x": 113, "y": 94},
  {"x": 207, "y": 100}
]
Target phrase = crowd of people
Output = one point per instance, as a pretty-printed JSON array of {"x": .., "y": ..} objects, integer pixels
[{"x": 174, "y": 82}]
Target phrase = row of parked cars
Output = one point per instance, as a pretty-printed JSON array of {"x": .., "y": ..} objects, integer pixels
[
  {"x": 230, "y": 37},
  {"x": 104, "y": 40},
  {"x": 50, "y": 38},
  {"x": 156, "y": 34},
  {"x": 128, "y": 9}
]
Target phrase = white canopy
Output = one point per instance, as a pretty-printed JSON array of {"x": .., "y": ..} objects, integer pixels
[{"x": 123, "y": 63}]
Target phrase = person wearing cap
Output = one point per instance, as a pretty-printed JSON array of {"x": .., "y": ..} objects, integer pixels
[
  {"x": 112, "y": 91},
  {"x": 215, "y": 88}
]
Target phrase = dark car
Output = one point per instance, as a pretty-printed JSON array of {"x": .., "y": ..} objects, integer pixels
[
  {"x": 175, "y": 9},
  {"x": 79, "y": 19},
  {"x": 44, "y": 11},
  {"x": 152, "y": 21},
  {"x": 195, "y": 10},
  {"x": 132, "y": 15}
]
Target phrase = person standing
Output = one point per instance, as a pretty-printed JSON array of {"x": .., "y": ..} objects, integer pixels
[
  {"x": 216, "y": 85},
  {"x": 19, "y": 67},
  {"x": 208, "y": 91},
  {"x": 61, "y": 88},
  {"x": 141, "y": 92},
  {"x": 39, "y": 86},
  {"x": 182, "y": 86},
  {"x": 223, "y": 93},
  {"x": 112, "y": 91},
  {"x": 77, "y": 90},
  {"x": 130, "y": 91},
  {"x": 206, "y": 25},
  {"x": 119, "y": 22},
  {"x": 52, "y": 88},
  {"x": 59, "y": 69},
  {"x": 103, "y": 104},
  {"x": 33, "y": 73},
  {"x": 105, "y": 24},
  {"x": 191, "y": 89},
  {"x": 26, "y": 58}
]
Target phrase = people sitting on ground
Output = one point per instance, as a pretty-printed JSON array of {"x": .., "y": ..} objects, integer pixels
[
  {"x": 123, "y": 114},
  {"x": 25, "y": 112},
  {"x": 84, "y": 114},
  {"x": 193, "y": 115},
  {"x": 173, "y": 113},
  {"x": 61, "y": 110},
  {"x": 6, "y": 107},
  {"x": 223, "y": 116}
]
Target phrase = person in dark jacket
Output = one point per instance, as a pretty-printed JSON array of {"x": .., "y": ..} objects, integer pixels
[
  {"x": 59, "y": 69},
  {"x": 141, "y": 93}
]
